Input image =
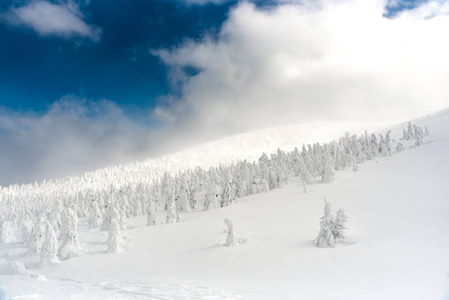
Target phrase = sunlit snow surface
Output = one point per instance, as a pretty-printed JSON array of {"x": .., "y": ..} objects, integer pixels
[{"x": 397, "y": 243}]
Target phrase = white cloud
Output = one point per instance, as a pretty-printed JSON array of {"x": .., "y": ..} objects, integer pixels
[
  {"x": 341, "y": 60},
  {"x": 62, "y": 20}
]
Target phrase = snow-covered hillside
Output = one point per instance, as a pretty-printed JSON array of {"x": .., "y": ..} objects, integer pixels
[{"x": 396, "y": 245}]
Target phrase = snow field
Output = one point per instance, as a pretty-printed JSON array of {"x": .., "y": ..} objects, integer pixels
[{"x": 396, "y": 245}]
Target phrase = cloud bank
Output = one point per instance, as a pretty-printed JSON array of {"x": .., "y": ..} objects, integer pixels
[
  {"x": 71, "y": 137},
  {"x": 47, "y": 19},
  {"x": 327, "y": 60}
]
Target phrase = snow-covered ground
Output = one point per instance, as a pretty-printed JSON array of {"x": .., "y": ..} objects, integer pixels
[{"x": 397, "y": 243}]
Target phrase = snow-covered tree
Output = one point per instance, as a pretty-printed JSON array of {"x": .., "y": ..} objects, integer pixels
[
  {"x": 303, "y": 172},
  {"x": 332, "y": 227},
  {"x": 328, "y": 172},
  {"x": 383, "y": 149},
  {"x": 82, "y": 212},
  {"x": 231, "y": 238},
  {"x": 70, "y": 248},
  {"x": 304, "y": 187},
  {"x": 355, "y": 167},
  {"x": 399, "y": 147},
  {"x": 151, "y": 210},
  {"x": 70, "y": 223},
  {"x": 340, "y": 226},
  {"x": 192, "y": 190},
  {"x": 50, "y": 246},
  {"x": 16, "y": 268},
  {"x": 409, "y": 134},
  {"x": 95, "y": 217},
  {"x": 241, "y": 192},
  {"x": 212, "y": 197},
  {"x": 114, "y": 238},
  {"x": 137, "y": 208},
  {"x": 229, "y": 193},
  {"x": 27, "y": 227},
  {"x": 182, "y": 198},
  {"x": 419, "y": 135},
  {"x": 325, "y": 238},
  {"x": 107, "y": 218},
  {"x": 264, "y": 184},
  {"x": 6, "y": 232},
  {"x": 121, "y": 218},
  {"x": 172, "y": 214},
  {"x": 37, "y": 236}
]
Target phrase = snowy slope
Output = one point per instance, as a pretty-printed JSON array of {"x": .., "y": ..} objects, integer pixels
[{"x": 397, "y": 242}]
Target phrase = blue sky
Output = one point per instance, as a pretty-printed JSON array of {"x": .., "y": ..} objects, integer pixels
[
  {"x": 38, "y": 68},
  {"x": 89, "y": 83}
]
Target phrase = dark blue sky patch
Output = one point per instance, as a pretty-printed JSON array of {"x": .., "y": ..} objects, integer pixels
[{"x": 35, "y": 70}]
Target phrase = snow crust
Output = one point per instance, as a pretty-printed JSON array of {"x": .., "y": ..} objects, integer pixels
[{"x": 397, "y": 241}]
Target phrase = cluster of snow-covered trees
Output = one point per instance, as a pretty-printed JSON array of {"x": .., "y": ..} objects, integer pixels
[{"x": 48, "y": 212}]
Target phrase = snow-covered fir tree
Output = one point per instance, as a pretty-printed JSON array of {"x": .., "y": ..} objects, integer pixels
[
  {"x": 325, "y": 238},
  {"x": 6, "y": 232},
  {"x": 328, "y": 170},
  {"x": 340, "y": 226},
  {"x": 70, "y": 247},
  {"x": 172, "y": 214},
  {"x": 229, "y": 193},
  {"x": 151, "y": 213},
  {"x": 264, "y": 184},
  {"x": 305, "y": 189},
  {"x": 27, "y": 227},
  {"x": 95, "y": 216},
  {"x": 212, "y": 197},
  {"x": 231, "y": 238},
  {"x": 332, "y": 227},
  {"x": 50, "y": 247},
  {"x": 114, "y": 240},
  {"x": 37, "y": 236}
]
